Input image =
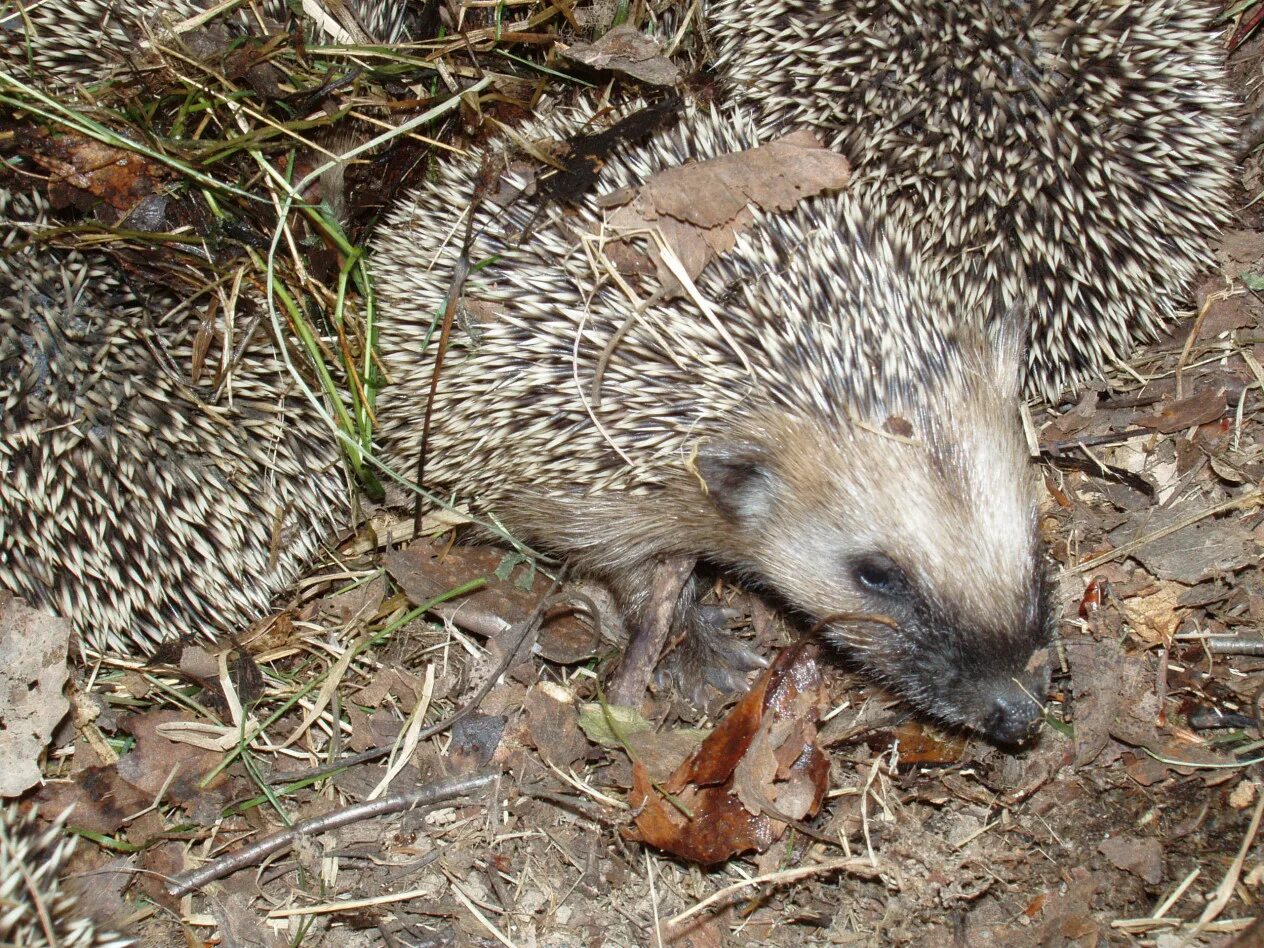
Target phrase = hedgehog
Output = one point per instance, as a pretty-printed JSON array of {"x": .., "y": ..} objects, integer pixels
[
  {"x": 36, "y": 911},
  {"x": 1069, "y": 156},
  {"x": 134, "y": 500},
  {"x": 869, "y": 462},
  {"x": 84, "y": 42}
]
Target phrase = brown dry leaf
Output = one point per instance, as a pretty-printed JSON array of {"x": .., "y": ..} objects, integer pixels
[
  {"x": 359, "y": 603},
  {"x": 475, "y": 738},
  {"x": 200, "y": 665},
  {"x": 1242, "y": 248},
  {"x": 920, "y": 744},
  {"x": 1155, "y": 616},
  {"x": 1206, "y": 404},
  {"x": 760, "y": 763},
  {"x": 1114, "y": 696},
  {"x": 1141, "y": 857},
  {"x": 101, "y": 799},
  {"x": 105, "y": 796},
  {"x": 1227, "y": 314},
  {"x": 97, "y": 880},
  {"x": 662, "y": 752},
  {"x": 425, "y": 570},
  {"x": 83, "y": 171},
  {"x": 627, "y": 50},
  {"x": 34, "y": 645},
  {"x": 553, "y": 724},
  {"x": 1202, "y": 550},
  {"x": 393, "y": 681},
  {"x": 155, "y": 758},
  {"x": 700, "y": 208}
]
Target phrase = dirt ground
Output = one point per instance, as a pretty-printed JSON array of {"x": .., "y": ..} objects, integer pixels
[{"x": 1133, "y": 820}]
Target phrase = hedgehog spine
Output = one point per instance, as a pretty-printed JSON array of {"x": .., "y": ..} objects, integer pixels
[
  {"x": 36, "y": 910},
  {"x": 128, "y": 503},
  {"x": 1072, "y": 156}
]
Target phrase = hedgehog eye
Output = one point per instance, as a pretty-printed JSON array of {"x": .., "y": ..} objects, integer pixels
[{"x": 878, "y": 574}]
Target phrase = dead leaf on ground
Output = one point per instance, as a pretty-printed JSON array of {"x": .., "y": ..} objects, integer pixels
[
  {"x": 922, "y": 744},
  {"x": 627, "y": 50},
  {"x": 701, "y": 208},
  {"x": 1141, "y": 857},
  {"x": 105, "y": 797},
  {"x": 1229, "y": 313},
  {"x": 1202, "y": 550},
  {"x": 1155, "y": 616},
  {"x": 1108, "y": 690},
  {"x": 83, "y": 171},
  {"x": 553, "y": 724},
  {"x": 360, "y": 603},
  {"x": 624, "y": 728},
  {"x": 425, "y": 570},
  {"x": 1205, "y": 405},
  {"x": 32, "y": 680},
  {"x": 761, "y": 766}
]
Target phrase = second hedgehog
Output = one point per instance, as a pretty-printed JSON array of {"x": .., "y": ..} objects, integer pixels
[
  {"x": 1070, "y": 155},
  {"x": 870, "y": 460}
]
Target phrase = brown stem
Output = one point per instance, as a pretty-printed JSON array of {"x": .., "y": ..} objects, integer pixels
[{"x": 650, "y": 631}]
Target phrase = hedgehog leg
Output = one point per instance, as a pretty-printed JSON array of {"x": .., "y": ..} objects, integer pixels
[
  {"x": 650, "y": 624},
  {"x": 684, "y": 642},
  {"x": 704, "y": 652}
]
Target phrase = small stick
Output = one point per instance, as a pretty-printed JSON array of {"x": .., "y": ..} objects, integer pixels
[
  {"x": 1189, "y": 343},
  {"x": 187, "y": 882},
  {"x": 1096, "y": 441},
  {"x": 856, "y": 865},
  {"x": 1227, "y": 644}
]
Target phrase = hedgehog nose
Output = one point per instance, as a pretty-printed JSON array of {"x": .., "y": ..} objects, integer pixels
[{"x": 1015, "y": 717}]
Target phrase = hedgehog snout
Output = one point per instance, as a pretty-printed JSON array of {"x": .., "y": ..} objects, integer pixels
[
  {"x": 1014, "y": 718},
  {"x": 1009, "y": 709}
]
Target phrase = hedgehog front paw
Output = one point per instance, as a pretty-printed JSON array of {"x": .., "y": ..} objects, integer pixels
[{"x": 707, "y": 653}]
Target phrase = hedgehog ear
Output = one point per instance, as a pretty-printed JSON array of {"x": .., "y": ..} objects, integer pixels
[
  {"x": 1007, "y": 343},
  {"x": 739, "y": 480}
]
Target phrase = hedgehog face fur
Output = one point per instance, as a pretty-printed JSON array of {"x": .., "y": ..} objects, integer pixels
[
  {"x": 933, "y": 536},
  {"x": 36, "y": 910},
  {"x": 869, "y": 463},
  {"x": 1073, "y": 156},
  {"x": 131, "y": 502}
]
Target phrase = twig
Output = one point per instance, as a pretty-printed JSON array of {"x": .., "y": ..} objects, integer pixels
[
  {"x": 1095, "y": 441},
  {"x": 857, "y": 865},
  {"x": 187, "y": 882},
  {"x": 1189, "y": 342},
  {"x": 1227, "y": 644},
  {"x": 456, "y": 288},
  {"x": 1124, "y": 549}
]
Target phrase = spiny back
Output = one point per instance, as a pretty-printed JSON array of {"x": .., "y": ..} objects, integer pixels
[
  {"x": 833, "y": 318},
  {"x": 132, "y": 501},
  {"x": 36, "y": 908},
  {"x": 85, "y": 42},
  {"x": 1070, "y": 155}
]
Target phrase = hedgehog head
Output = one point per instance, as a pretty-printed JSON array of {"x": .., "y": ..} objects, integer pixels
[{"x": 909, "y": 533}]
